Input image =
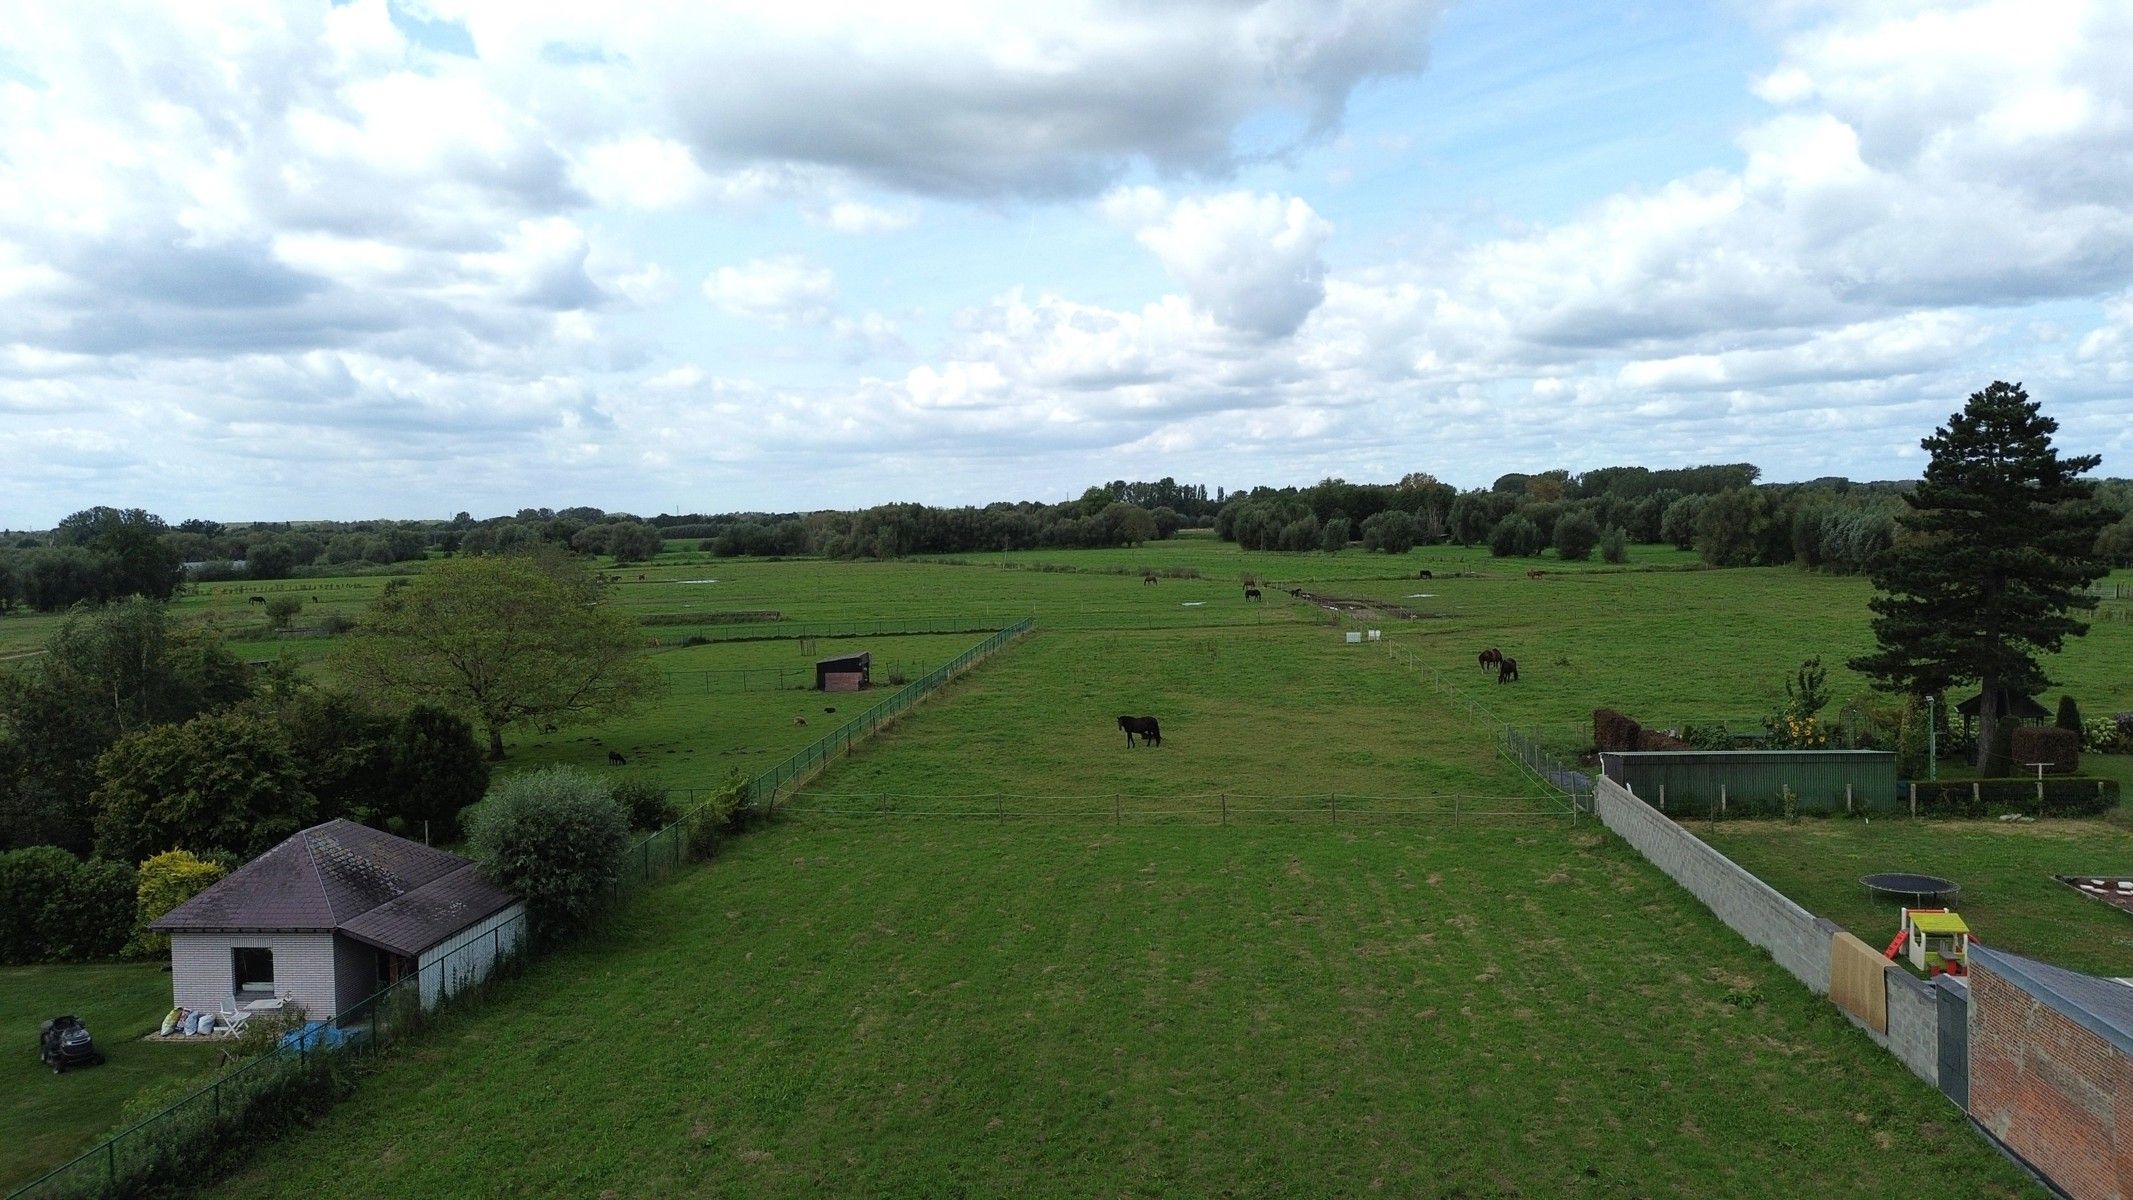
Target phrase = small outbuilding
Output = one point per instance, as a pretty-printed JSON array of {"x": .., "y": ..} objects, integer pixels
[
  {"x": 845, "y": 673},
  {"x": 1747, "y": 782},
  {"x": 331, "y": 916}
]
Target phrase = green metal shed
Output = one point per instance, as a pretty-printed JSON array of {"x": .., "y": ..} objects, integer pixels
[{"x": 1753, "y": 782}]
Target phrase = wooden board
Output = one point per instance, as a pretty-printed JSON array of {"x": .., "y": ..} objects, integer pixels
[{"x": 1855, "y": 980}]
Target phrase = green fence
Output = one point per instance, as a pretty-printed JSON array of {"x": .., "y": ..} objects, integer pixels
[
  {"x": 767, "y": 631},
  {"x": 660, "y": 854},
  {"x": 305, "y": 1071}
]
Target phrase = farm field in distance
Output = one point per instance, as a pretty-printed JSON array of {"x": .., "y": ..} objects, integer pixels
[{"x": 1081, "y": 981}]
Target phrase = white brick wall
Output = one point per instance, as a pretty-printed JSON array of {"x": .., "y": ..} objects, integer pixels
[{"x": 202, "y": 971}]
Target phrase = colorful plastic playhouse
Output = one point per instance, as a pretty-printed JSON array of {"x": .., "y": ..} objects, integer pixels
[{"x": 1937, "y": 939}]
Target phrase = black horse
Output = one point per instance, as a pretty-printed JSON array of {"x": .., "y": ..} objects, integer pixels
[
  {"x": 1146, "y": 727},
  {"x": 1508, "y": 672},
  {"x": 1253, "y": 594},
  {"x": 1424, "y": 574},
  {"x": 1491, "y": 657}
]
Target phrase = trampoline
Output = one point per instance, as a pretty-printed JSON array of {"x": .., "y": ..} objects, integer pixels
[{"x": 1920, "y": 889}]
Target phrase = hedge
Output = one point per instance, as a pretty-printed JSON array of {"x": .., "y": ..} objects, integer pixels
[
  {"x": 58, "y": 908},
  {"x": 2058, "y": 749},
  {"x": 2063, "y": 796}
]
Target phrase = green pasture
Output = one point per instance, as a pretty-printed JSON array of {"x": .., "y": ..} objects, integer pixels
[
  {"x": 919, "y": 1010},
  {"x": 1269, "y": 717},
  {"x": 1203, "y": 552},
  {"x": 2009, "y": 897},
  {"x": 46, "y": 1119}
]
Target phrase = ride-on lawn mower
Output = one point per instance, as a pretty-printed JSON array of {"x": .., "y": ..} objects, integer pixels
[{"x": 65, "y": 1042}]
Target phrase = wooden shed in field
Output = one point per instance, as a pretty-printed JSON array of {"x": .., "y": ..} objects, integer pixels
[{"x": 845, "y": 673}]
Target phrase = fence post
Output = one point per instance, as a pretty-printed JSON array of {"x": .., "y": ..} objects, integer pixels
[
  {"x": 1847, "y": 797},
  {"x": 1914, "y": 797},
  {"x": 1225, "y": 801},
  {"x": 1662, "y": 797},
  {"x": 1118, "y": 808},
  {"x": 1721, "y": 799},
  {"x": 1333, "y": 805}
]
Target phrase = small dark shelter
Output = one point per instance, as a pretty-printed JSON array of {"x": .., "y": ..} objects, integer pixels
[
  {"x": 2012, "y": 708},
  {"x": 845, "y": 673}
]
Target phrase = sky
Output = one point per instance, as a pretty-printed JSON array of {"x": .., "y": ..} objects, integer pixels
[{"x": 402, "y": 259}]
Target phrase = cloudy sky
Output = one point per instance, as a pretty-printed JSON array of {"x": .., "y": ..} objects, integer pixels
[{"x": 400, "y": 259}]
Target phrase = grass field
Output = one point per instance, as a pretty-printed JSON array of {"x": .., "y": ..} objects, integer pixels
[
  {"x": 1043, "y": 1002},
  {"x": 2009, "y": 898},
  {"x": 946, "y": 1009},
  {"x": 46, "y": 1119}
]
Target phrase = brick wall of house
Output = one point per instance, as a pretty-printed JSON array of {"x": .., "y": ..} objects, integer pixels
[{"x": 2056, "y": 1093}]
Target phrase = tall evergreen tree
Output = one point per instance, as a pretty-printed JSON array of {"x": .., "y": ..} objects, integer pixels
[{"x": 2000, "y": 548}]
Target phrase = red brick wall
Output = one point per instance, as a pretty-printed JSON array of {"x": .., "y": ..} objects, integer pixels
[{"x": 2059, "y": 1095}]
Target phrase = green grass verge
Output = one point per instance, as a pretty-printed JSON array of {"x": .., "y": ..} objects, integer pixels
[
  {"x": 942, "y": 1009},
  {"x": 46, "y": 1119}
]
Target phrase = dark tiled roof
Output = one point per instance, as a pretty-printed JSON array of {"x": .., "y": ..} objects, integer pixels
[
  {"x": 318, "y": 879},
  {"x": 414, "y": 922},
  {"x": 2103, "y": 1006}
]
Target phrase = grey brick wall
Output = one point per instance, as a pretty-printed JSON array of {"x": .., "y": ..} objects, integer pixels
[{"x": 1914, "y": 1022}]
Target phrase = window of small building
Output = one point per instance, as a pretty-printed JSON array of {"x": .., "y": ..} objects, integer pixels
[{"x": 253, "y": 969}]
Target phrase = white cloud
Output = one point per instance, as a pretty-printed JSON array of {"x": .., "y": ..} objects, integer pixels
[
  {"x": 782, "y": 289},
  {"x": 1250, "y": 260},
  {"x": 851, "y": 216}
]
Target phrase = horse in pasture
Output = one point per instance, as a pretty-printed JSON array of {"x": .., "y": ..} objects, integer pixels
[
  {"x": 1149, "y": 578},
  {"x": 1424, "y": 574},
  {"x": 1536, "y": 573},
  {"x": 1252, "y": 593},
  {"x": 1508, "y": 672},
  {"x": 258, "y": 599},
  {"x": 1146, "y": 727},
  {"x": 615, "y": 759},
  {"x": 1491, "y": 657}
]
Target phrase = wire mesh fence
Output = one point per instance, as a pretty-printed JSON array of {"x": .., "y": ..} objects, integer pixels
[
  {"x": 301, "y": 1071},
  {"x": 795, "y": 677},
  {"x": 789, "y": 630},
  {"x": 1548, "y": 754},
  {"x": 663, "y": 852},
  {"x": 1204, "y": 809}
]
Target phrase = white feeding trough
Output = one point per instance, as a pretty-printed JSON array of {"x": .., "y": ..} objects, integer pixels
[
  {"x": 696, "y": 581},
  {"x": 1421, "y": 595},
  {"x": 1191, "y": 603},
  {"x": 1376, "y": 634},
  {"x": 1354, "y": 638}
]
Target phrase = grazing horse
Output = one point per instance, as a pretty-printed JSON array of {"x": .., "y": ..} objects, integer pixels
[
  {"x": 615, "y": 759},
  {"x": 1508, "y": 672},
  {"x": 1146, "y": 727},
  {"x": 1536, "y": 574},
  {"x": 1491, "y": 657},
  {"x": 1252, "y": 593},
  {"x": 1148, "y": 579},
  {"x": 1424, "y": 574}
]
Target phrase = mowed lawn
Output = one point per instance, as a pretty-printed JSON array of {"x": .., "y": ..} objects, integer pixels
[
  {"x": 1283, "y": 716},
  {"x": 933, "y": 1009},
  {"x": 2009, "y": 898},
  {"x": 46, "y": 1119}
]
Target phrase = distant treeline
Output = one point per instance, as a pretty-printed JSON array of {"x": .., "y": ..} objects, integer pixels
[{"x": 1720, "y": 511}]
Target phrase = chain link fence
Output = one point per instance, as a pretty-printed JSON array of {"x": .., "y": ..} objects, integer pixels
[{"x": 1209, "y": 808}]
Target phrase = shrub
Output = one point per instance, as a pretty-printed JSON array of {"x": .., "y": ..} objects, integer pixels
[
  {"x": 1515, "y": 537},
  {"x": 57, "y": 908},
  {"x": 1394, "y": 531},
  {"x": 708, "y": 823},
  {"x": 1659, "y": 739},
  {"x": 1575, "y": 536},
  {"x": 2071, "y": 796},
  {"x": 435, "y": 770},
  {"x": 1612, "y": 732},
  {"x": 2058, "y": 749},
  {"x": 1614, "y": 546},
  {"x": 166, "y": 881},
  {"x": 2069, "y": 714},
  {"x": 2102, "y": 735},
  {"x": 553, "y": 838},
  {"x": 645, "y": 803}
]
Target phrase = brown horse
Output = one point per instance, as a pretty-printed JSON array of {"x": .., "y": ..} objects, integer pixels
[
  {"x": 1491, "y": 657},
  {"x": 1508, "y": 672},
  {"x": 1149, "y": 731}
]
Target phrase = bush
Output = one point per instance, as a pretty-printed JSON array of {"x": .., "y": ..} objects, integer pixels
[
  {"x": 1575, "y": 536},
  {"x": 708, "y": 823},
  {"x": 1515, "y": 537},
  {"x": 645, "y": 803},
  {"x": 553, "y": 838},
  {"x": 2064, "y": 797},
  {"x": 2058, "y": 749},
  {"x": 1612, "y": 732},
  {"x": 435, "y": 770},
  {"x": 1394, "y": 531},
  {"x": 2102, "y": 735},
  {"x": 166, "y": 881},
  {"x": 2069, "y": 714},
  {"x": 1614, "y": 546},
  {"x": 57, "y": 908}
]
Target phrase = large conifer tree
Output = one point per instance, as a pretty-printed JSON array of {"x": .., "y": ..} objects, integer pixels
[{"x": 1999, "y": 550}]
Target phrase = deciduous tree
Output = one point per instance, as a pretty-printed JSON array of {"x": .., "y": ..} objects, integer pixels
[{"x": 502, "y": 639}]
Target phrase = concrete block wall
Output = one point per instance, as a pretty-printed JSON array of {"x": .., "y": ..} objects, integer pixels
[
  {"x": 1914, "y": 1022},
  {"x": 1796, "y": 938}
]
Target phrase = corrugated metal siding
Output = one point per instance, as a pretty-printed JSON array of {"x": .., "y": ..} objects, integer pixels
[
  {"x": 304, "y": 969},
  {"x": 1753, "y": 781},
  {"x": 468, "y": 956}
]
